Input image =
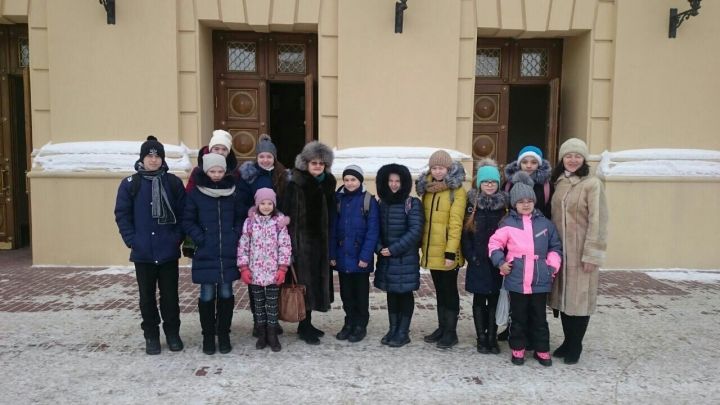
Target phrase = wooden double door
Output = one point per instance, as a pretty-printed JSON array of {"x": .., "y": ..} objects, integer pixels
[
  {"x": 15, "y": 136},
  {"x": 266, "y": 83},
  {"x": 517, "y": 96}
]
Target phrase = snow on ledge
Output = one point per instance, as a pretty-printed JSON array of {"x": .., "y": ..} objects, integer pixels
[
  {"x": 685, "y": 275},
  {"x": 108, "y": 156},
  {"x": 660, "y": 163},
  {"x": 371, "y": 159}
]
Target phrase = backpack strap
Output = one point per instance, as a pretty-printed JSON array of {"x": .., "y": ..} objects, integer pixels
[
  {"x": 366, "y": 203},
  {"x": 546, "y": 189},
  {"x": 134, "y": 184}
]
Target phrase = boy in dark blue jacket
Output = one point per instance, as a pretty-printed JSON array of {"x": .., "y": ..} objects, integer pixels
[
  {"x": 148, "y": 212},
  {"x": 357, "y": 227}
]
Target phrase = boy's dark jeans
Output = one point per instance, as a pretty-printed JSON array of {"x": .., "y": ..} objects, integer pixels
[
  {"x": 164, "y": 277},
  {"x": 528, "y": 319},
  {"x": 355, "y": 295}
]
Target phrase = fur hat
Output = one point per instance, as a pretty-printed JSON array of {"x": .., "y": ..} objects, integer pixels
[
  {"x": 440, "y": 158},
  {"x": 487, "y": 171},
  {"x": 354, "y": 170},
  {"x": 265, "y": 194},
  {"x": 312, "y": 151},
  {"x": 265, "y": 145},
  {"x": 221, "y": 137},
  {"x": 522, "y": 188},
  {"x": 530, "y": 151},
  {"x": 152, "y": 147},
  {"x": 211, "y": 160},
  {"x": 574, "y": 145}
]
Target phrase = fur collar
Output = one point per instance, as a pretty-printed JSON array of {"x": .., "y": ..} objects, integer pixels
[
  {"x": 540, "y": 176},
  {"x": 250, "y": 171},
  {"x": 496, "y": 201},
  {"x": 306, "y": 180},
  {"x": 454, "y": 178}
]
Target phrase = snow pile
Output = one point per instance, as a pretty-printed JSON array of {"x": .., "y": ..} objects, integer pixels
[
  {"x": 660, "y": 163},
  {"x": 685, "y": 275},
  {"x": 370, "y": 159},
  {"x": 110, "y": 156}
]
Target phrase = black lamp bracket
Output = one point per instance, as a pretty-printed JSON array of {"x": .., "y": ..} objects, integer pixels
[
  {"x": 400, "y": 7},
  {"x": 109, "y": 6},
  {"x": 677, "y": 18}
]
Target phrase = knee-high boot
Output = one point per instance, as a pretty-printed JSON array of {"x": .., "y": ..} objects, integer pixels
[
  {"x": 437, "y": 334},
  {"x": 480, "y": 319},
  {"x": 402, "y": 333},
  {"x": 562, "y": 350},
  {"x": 579, "y": 326},
  {"x": 449, "y": 337},
  {"x": 394, "y": 319},
  {"x": 225, "y": 308},
  {"x": 492, "y": 333},
  {"x": 207, "y": 323}
]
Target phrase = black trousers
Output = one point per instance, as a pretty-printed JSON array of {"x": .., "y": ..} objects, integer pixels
[
  {"x": 401, "y": 303},
  {"x": 446, "y": 290},
  {"x": 528, "y": 316},
  {"x": 265, "y": 301},
  {"x": 487, "y": 304},
  {"x": 162, "y": 277},
  {"x": 355, "y": 294}
]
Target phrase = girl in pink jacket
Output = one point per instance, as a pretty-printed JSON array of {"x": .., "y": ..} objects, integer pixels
[{"x": 263, "y": 258}]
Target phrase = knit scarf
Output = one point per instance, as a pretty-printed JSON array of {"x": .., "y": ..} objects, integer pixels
[
  {"x": 216, "y": 192},
  {"x": 161, "y": 206},
  {"x": 436, "y": 186}
]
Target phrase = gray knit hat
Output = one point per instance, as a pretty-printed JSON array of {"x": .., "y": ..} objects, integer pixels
[
  {"x": 522, "y": 188},
  {"x": 211, "y": 160},
  {"x": 574, "y": 145},
  {"x": 265, "y": 145},
  {"x": 355, "y": 171}
]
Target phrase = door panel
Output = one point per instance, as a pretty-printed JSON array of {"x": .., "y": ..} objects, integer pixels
[
  {"x": 553, "y": 121},
  {"x": 490, "y": 117}
]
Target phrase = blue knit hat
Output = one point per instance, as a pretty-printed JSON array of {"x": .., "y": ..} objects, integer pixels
[
  {"x": 487, "y": 171},
  {"x": 531, "y": 151}
]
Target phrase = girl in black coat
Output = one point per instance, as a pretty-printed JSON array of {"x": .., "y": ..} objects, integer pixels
[
  {"x": 398, "y": 264},
  {"x": 486, "y": 206}
]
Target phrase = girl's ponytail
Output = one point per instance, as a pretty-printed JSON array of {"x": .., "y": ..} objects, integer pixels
[{"x": 470, "y": 221}]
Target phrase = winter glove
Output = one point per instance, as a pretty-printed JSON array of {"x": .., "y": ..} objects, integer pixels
[
  {"x": 188, "y": 248},
  {"x": 245, "y": 276},
  {"x": 280, "y": 276}
]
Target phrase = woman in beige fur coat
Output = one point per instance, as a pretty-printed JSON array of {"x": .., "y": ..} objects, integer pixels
[{"x": 579, "y": 211}]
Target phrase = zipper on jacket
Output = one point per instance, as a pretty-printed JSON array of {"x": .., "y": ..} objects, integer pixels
[
  {"x": 427, "y": 245},
  {"x": 222, "y": 277}
]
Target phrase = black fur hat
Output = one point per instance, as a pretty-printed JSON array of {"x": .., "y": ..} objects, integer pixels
[
  {"x": 314, "y": 150},
  {"x": 381, "y": 182}
]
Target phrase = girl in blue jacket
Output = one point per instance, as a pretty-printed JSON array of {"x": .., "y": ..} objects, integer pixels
[
  {"x": 398, "y": 264},
  {"x": 214, "y": 215},
  {"x": 352, "y": 247},
  {"x": 486, "y": 206}
]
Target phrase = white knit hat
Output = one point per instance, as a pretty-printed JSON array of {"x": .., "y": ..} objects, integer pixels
[{"x": 221, "y": 137}]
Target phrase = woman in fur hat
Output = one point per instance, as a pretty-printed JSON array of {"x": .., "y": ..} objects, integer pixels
[
  {"x": 309, "y": 201},
  {"x": 444, "y": 199},
  {"x": 580, "y": 214},
  {"x": 265, "y": 172}
]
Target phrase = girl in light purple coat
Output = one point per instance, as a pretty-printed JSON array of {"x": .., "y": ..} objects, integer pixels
[{"x": 263, "y": 258}]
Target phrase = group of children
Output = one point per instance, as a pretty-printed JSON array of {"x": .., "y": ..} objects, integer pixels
[{"x": 239, "y": 231}]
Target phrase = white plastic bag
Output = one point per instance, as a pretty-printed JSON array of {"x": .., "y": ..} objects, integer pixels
[{"x": 502, "y": 311}]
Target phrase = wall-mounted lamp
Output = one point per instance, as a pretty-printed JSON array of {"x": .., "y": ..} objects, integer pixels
[
  {"x": 110, "y": 10},
  {"x": 400, "y": 8},
  {"x": 677, "y": 18}
]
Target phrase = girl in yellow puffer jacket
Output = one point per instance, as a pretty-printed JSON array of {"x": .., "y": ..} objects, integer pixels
[{"x": 444, "y": 201}]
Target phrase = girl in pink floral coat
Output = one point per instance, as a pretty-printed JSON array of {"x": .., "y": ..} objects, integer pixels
[{"x": 263, "y": 258}]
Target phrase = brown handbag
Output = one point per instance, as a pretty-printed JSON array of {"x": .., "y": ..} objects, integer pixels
[{"x": 291, "y": 307}]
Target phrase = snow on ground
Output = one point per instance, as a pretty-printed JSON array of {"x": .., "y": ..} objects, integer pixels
[
  {"x": 660, "y": 163},
  {"x": 370, "y": 159},
  {"x": 685, "y": 275}
]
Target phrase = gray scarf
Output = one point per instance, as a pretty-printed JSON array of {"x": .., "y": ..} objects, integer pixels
[
  {"x": 216, "y": 192},
  {"x": 161, "y": 206}
]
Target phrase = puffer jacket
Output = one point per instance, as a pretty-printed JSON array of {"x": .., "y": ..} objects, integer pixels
[
  {"x": 541, "y": 177},
  {"x": 252, "y": 177},
  {"x": 264, "y": 246},
  {"x": 356, "y": 233},
  {"x": 214, "y": 224},
  {"x": 481, "y": 277},
  {"x": 533, "y": 248},
  {"x": 444, "y": 213},
  {"x": 401, "y": 225},
  {"x": 149, "y": 242}
]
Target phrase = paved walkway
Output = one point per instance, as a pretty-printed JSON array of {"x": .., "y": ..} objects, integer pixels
[{"x": 71, "y": 335}]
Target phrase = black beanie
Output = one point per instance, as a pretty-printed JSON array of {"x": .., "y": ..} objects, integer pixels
[{"x": 152, "y": 147}]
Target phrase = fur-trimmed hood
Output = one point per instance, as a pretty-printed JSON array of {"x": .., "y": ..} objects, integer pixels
[
  {"x": 315, "y": 150},
  {"x": 540, "y": 176},
  {"x": 488, "y": 202},
  {"x": 454, "y": 178},
  {"x": 381, "y": 183},
  {"x": 249, "y": 171}
]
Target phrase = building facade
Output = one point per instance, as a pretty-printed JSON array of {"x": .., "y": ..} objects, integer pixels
[{"x": 481, "y": 77}]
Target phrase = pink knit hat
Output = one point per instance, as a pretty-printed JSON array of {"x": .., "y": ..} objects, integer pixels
[{"x": 265, "y": 194}]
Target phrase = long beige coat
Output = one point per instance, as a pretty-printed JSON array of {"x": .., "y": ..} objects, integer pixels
[{"x": 579, "y": 211}]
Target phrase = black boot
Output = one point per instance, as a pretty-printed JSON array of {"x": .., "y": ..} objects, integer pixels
[
  {"x": 449, "y": 337},
  {"x": 579, "y": 326},
  {"x": 437, "y": 334},
  {"x": 492, "y": 333},
  {"x": 479, "y": 319},
  {"x": 152, "y": 345},
  {"x": 207, "y": 323},
  {"x": 358, "y": 333},
  {"x": 345, "y": 331},
  {"x": 272, "y": 338},
  {"x": 225, "y": 309},
  {"x": 311, "y": 329},
  {"x": 402, "y": 336},
  {"x": 175, "y": 344},
  {"x": 503, "y": 336},
  {"x": 262, "y": 336},
  {"x": 394, "y": 319},
  {"x": 306, "y": 334},
  {"x": 561, "y": 351}
]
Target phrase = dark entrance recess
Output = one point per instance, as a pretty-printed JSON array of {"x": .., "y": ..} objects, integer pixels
[
  {"x": 19, "y": 189},
  {"x": 287, "y": 119},
  {"x": 527, "y": 124}
]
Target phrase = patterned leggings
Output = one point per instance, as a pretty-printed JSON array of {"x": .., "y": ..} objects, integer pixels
[{"x": 265, "y": 300}]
